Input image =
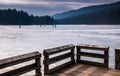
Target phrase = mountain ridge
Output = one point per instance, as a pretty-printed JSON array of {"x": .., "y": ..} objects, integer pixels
[{"x": 98, "y": 11}]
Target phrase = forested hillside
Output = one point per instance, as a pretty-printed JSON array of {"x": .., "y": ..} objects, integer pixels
[
  {"x": 19, "y": 17},
  {"x": 99, "y": 14}
]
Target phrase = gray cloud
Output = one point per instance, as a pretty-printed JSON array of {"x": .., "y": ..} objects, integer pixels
[
  {"x": 36, "y": 9},
  {"x": 50, "y": 7},
  {"x": 81, "y": 1}
]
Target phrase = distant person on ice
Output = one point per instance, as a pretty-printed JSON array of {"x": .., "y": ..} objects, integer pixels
[{"x": 19, "y": 26}]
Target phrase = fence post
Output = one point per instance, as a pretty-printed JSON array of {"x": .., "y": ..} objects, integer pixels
[
  {"x": 106, "y": 57},
  {"x": 46, "y": 65},
  {"x": 78, "y": 56},
  {"x": 72, "y": 57},
  {"x": 38, "y": 66},
  {"x": 117, "y": 58}
]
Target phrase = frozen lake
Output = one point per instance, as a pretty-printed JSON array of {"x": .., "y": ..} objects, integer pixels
[{"x": 15, "y": 41}]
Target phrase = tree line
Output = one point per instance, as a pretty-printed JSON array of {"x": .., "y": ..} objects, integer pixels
[{"x": 20, "y": 17}]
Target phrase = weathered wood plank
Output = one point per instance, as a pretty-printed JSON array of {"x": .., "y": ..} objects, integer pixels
[
  {"x": 78, "y": 56},
  {"x": 60, "y": 66},
  {"x": 38, "y": 67},
  {"x": 86, "y": 70},
  {"x": 18, "y": 59},
  {"x": 20, "y": 71},
  {"x": 117, "y": 54},
  {"x": 106, "y": 59},
  {"x": 58, "y": 58},
  {"x": 46, "y": 65},
  {"x": 117, "y": 58},
  {"x": 117, "y": 49},
  {"x": 92, "y": 63},
  {"x": 72, "y": 55},
  {"x": 58, "y": 49},
  {"x": 92, "y": 55},
  {"x": 93, "y": 47}
]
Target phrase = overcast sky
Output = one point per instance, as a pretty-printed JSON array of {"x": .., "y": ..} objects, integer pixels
[{"x": 50, "y": 7}]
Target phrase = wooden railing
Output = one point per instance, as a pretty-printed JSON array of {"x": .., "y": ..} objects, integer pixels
[
  {"x": 20, "y": 59},
  {"x": 104, "y": 56},
  {"x": 117, "y": 58},
  {"x": 57, "y": 54},
  {"x": 58, "y": 50}
]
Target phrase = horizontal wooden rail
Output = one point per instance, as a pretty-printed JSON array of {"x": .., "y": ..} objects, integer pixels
[
  {"x": 20, "y": 59},
  {"x": 58, "y": 58},
  {"x": 117, "y": 58},
  {"x": 93, "y": 47},
  {"x": 92, "y": 55},
  {"x": 104, "y": 56},
  {"x": 57, "y": 50}
]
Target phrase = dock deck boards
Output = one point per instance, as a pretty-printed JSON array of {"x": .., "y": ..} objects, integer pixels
[{"x": 86, "y": 70}]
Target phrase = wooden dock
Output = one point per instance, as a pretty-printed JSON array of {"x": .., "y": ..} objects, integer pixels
[{"x": 86, "y": 70}]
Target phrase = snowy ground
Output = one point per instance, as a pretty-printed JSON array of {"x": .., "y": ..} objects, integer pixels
[{"x": 15, "y": 41}]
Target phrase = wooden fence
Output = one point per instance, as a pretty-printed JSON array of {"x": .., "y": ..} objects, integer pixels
[
  {"x": 117, "y": 58},
  {"x": 57, "y": 54},
  {"x": 57, "y": 50},
  {"x": 104, "y": 56},
  {"x": 20, "y": 59}
]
